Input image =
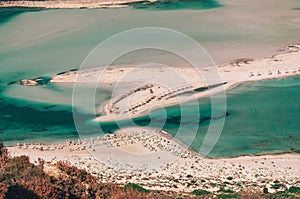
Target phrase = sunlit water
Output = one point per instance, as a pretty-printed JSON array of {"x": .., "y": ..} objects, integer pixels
[{"x": 47, "y": 42}]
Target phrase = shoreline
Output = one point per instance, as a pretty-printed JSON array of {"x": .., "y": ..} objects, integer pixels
[
  {"x": 233, "y": 67},
  {"x": 156, "y": 160},
  {"x": 62, "y": 144},
  {"x": 228, "y": 82},
  {"x": 69, "y": 4},
  {"x": 143, "y": 99},
  {"x": 162, "y": 163}
]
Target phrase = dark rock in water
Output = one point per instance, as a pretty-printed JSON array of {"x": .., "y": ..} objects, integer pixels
[
  {"x": 61, "y": 73},
  {"x": 64, "y": 72},
  {"x": 12, "y": 82},
  {"x": 42, "y": 80},
  {"x": 201, "y": 89},
  {"x": 265, "y": 190},
  {"x": 50, "y": 106},
  {"x": 35, "y": 82},
  {"x": 39, "y": 128}
]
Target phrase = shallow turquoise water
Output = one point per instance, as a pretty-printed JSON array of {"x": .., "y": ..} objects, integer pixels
[
  {"x": 175, "y": 4},
  {"x": 7, "y": 13},
  {"x": 261, "y": 117}
]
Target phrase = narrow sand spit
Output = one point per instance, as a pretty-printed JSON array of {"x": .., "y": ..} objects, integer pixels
[
  {"x": 147, "y": 157},
  {"x": 161, "y": 86},
  {"x": 68, "y": 3},
  {"x": 155, "y": 160}
]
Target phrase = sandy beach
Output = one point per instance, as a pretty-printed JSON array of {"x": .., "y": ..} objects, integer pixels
[
  {"x": 156, "y": 161},
  {"x": 177, "y": 85},
  {"x": 68, "y": 4},
  {"x": 53, "y": 88}
]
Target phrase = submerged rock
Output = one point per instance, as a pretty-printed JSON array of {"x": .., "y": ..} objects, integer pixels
[{"x": 12, "y": 82}]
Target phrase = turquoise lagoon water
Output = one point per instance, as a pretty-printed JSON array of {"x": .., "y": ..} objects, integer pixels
[
  {"x": 175, "y": 4},
  {"x": 262, "y": 117},
  {"x": 47, "y": 42}
]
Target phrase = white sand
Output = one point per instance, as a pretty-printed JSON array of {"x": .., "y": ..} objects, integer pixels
[
  {"x": 156, "y": 161},
  {"x": 67, "y": 3},
  {"x": 162, "y": 163},
  {"x": 161, "y": 86}
]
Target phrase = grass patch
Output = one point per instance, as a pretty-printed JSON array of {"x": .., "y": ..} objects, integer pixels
[
  {"x": 294, "y": 189},
  {"x": 284, "y": 194},
  {"x": 200, "y": 192},
  {"x": 277, "y": 186},
  {"x": 136, "y": 187},
  {"x": 226, "y": 190},
  {"x": 228, "y": 196}
]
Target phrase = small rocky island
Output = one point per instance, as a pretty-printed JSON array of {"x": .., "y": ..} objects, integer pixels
[{"x": 39, "y": 81}]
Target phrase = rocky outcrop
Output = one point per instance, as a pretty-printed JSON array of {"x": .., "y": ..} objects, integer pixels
[
  {"x": 28, "y": 82},
  {"x": 35, "y": 82}
]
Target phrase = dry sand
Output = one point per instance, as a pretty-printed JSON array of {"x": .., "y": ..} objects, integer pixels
[
  {"x": 151, "y": 158},
  {"x": 68, "y": 3},
  {"x": 157, "y": 87},
  {"x": 147, "y": 157}
]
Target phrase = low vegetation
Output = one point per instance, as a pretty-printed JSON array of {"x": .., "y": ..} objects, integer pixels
[
  {"x": 200, "y": 192},
  {"x": 19, "y": 178},
  {"x": 223, "y": 196},
  {"x": 136, "y": 187}
]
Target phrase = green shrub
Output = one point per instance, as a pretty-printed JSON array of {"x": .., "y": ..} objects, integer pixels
[
  {"x": 228, "y": 196},
  {"x": 200, "y": 192},
  {"x": 277, "y": 186},
  {"x": 230, "y": 178},
  {"x": 226, "y": 190},
  {"x": 135, "y": 187},
  {"x": 294, "y": 189},
  {"x": 283, "y": 194}
]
